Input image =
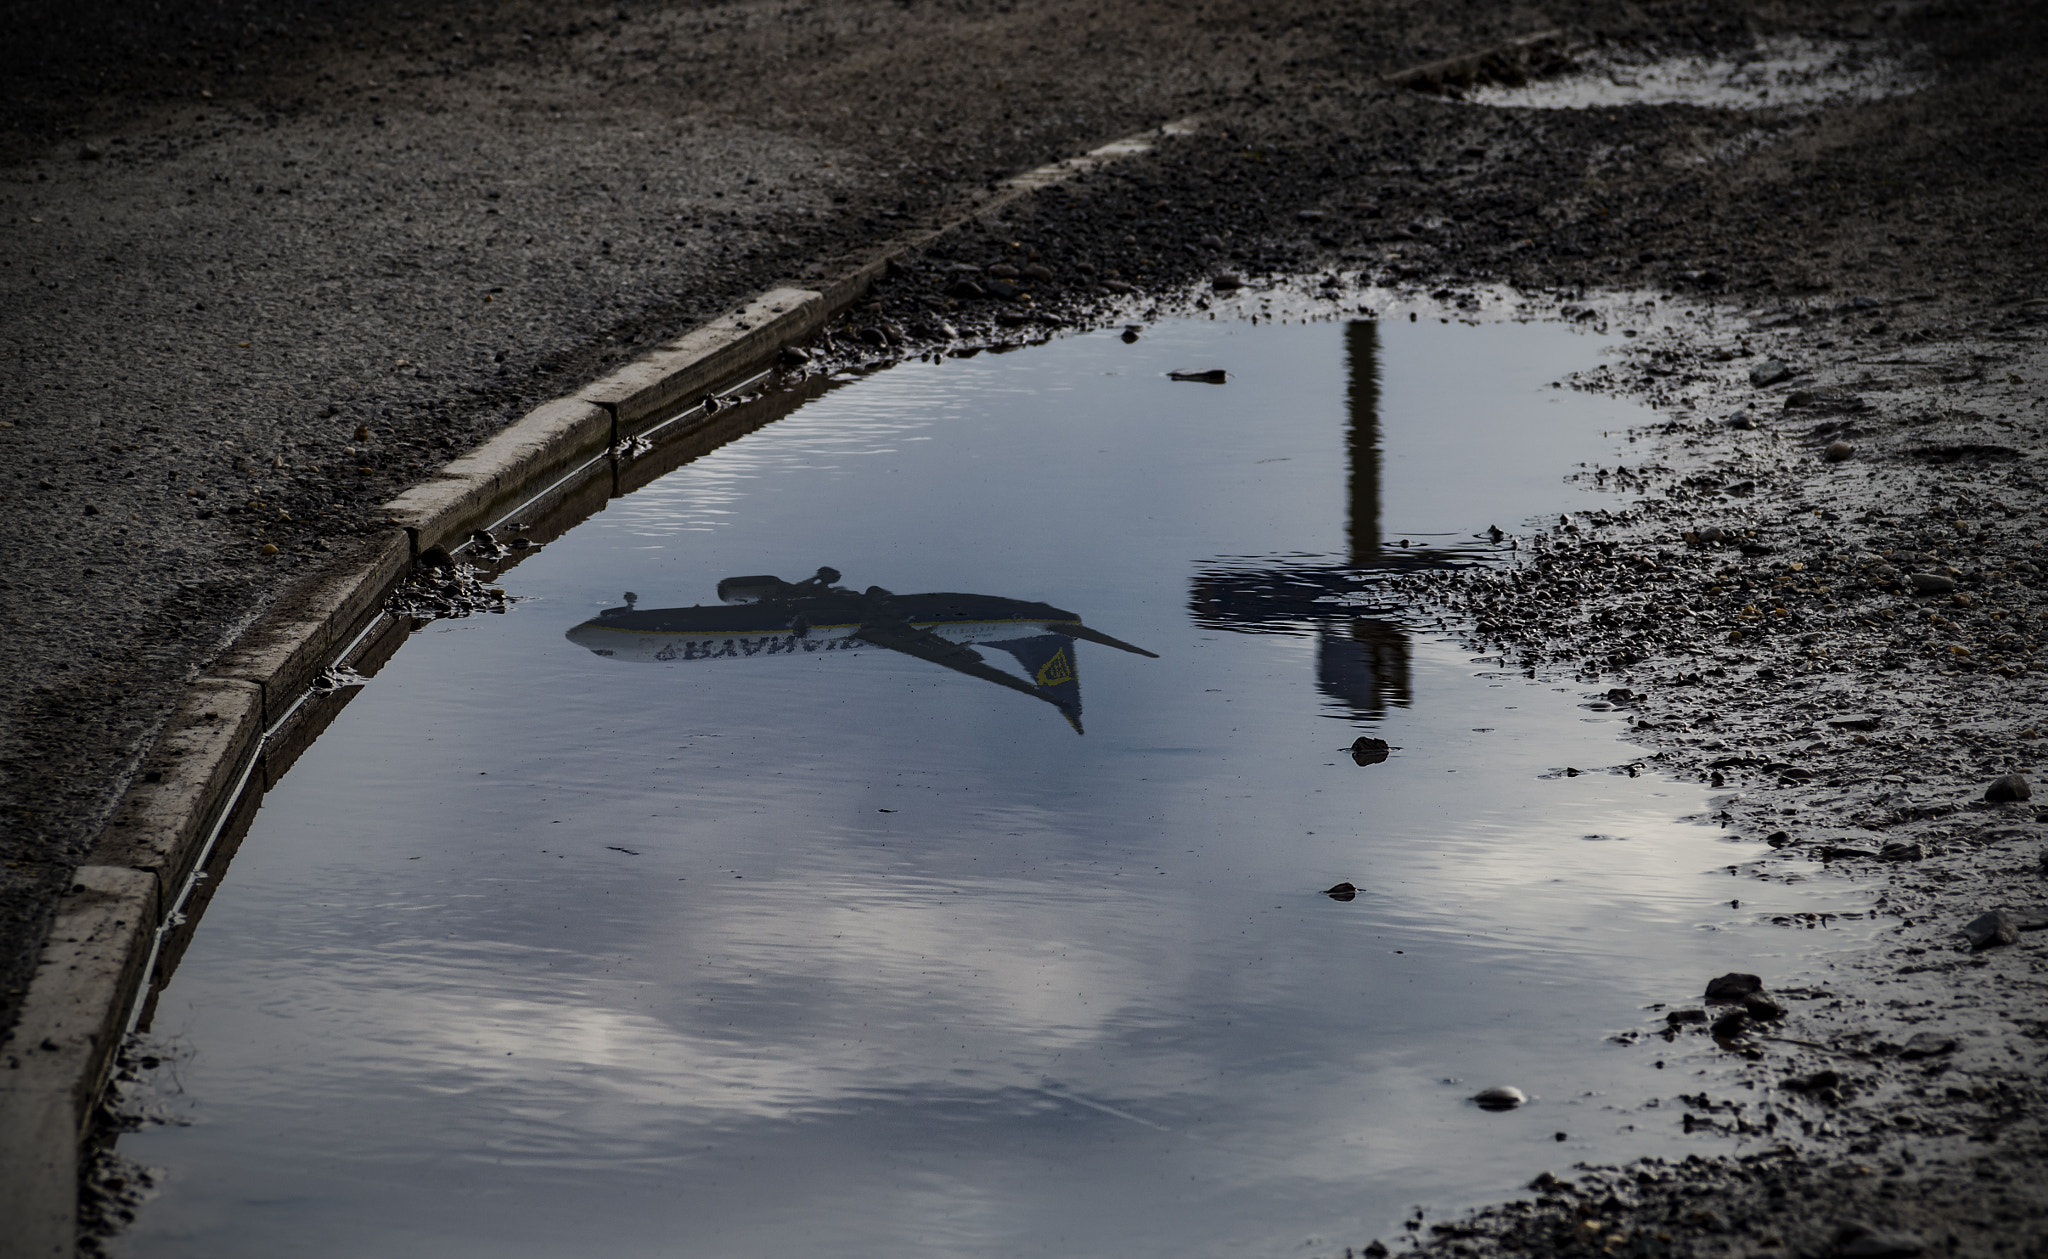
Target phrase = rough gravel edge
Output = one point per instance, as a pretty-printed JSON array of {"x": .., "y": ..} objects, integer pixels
[{"x": 103, "y": 944}]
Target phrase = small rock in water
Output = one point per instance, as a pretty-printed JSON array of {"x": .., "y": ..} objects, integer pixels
[
  {"x": 1679, "y": 1018},
  {"x": 1213, "y": 376},
  {"x": 1730, "y": 1026},
  {"x": 1741, "y": 419},
  {"x": 1768, "y": 372},
  {"x": 2008, "y": 788},
  {"x": 1343, "y": 892},
  {"x": 1500, "y": 1097},
  {"x": 1931, "y": 583},
  {"x": 1927, "y": 1045},
  {"x": 1370, "y": 751},
  {"x": 1762, "y": 1008},
  {"x": 1226, "y": 282},
  {"x": 1733, "y": 986},
  {"x": 1837, "y": 451},
  {"x": 1987, "y": 931}
]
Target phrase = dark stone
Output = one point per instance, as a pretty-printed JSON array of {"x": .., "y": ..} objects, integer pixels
[
  {"x": 1987, "y": 931},
  {"x": 1927, "y": 1045},
  {"x": 1213, "y": 376},
  {"x": 1731, "y": 1026},
  {"x": 1837, "y": 451},
  {"x": 1370, "y": 751},
  {"x": 1500, "y": 1097},
  {"x": 1343, "y": 892},
  {"x": 1762, "y": 1008},
  {"x": 2007, "y": 789},
  {"x": 1931, "y": 583},
  {"x": 1815, "y": 1083},
  {"x": 1733, "y": 986},
  {"x": 1226, "y": 282},
  {"x": 965, "y": 290},
  {"x": 1003, "y": 289},
  {"x": 1681, "y": 1018},
  {"x": 1768, "y": 372}
]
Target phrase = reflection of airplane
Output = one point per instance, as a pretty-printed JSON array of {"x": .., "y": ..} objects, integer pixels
[
  {"x": 769, "y": 617},
  {"x": 1361, "y": 660}
]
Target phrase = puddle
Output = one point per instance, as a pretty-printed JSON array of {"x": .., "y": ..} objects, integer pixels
[
  {"x": 802, "y": 913},
  {"x": 1788, "y": 73}
]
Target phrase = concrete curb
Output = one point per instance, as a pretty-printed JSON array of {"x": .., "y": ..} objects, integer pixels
[{"x": 209, "y": 768}]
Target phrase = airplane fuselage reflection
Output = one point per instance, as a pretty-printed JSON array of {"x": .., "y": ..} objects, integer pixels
[{"x": 767, "y": 618}]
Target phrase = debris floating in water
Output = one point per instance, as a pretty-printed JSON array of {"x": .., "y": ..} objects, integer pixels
[
  {"x": 1343, "y": 892},
  {"x": 1213, "y": 376}
]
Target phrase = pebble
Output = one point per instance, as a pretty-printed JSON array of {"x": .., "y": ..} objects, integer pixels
[
  {"x": 1213, "y": 376},
  {"x": 268, "y": 548},
  {"x": 1741, "y": 419},
  {"x": 1343, "y": 892},
  {"x": 1367, "y": 750},
  {"x": 1500, "y": 1097},
  {"x": 1730, "y": 1026},
  {"x": 1990, "y": 930},
  {"x": 1762, "y": 1008},
  {"x": 1768, "y": 372},
  {"x": 1003, "y": 271},
  {"x": 1837, "y": 451},
  {"x": 1036, "y": 271},
  {"x": 1931, "y": 583},
  {"x": 2008, "y": 788},
  {"x": 1927, "y": 1045},
  {"x": 1226, "y": 282},
  {"x": 1733, "y": 986}
]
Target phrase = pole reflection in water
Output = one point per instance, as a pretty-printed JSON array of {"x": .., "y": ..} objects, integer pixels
[
  {"x": 1362, "y": 662},
  {"x": 767, "y": 618}
]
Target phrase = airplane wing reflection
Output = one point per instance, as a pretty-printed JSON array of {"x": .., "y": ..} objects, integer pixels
[{"x": 767, "y": 617}]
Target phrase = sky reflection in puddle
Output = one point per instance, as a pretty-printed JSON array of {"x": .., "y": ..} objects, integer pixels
[{"x": 545, "y": 952}]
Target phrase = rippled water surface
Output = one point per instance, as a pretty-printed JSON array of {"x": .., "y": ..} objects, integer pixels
[{"x": 545, "y": 952}]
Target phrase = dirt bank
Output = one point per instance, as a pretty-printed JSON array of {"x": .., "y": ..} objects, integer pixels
[{"x": 261, "y": 272}]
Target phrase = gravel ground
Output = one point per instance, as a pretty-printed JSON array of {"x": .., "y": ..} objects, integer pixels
[{"x": 298, "y": 256}]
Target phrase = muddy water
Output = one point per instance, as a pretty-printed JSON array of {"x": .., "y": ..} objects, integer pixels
[{"x": 849, "y": 945}]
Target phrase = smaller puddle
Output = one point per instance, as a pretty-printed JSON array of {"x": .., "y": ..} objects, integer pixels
[{"x": 1788, "y": 73}]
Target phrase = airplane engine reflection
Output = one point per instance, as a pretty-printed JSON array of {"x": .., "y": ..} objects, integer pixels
[{"x": 764, "y": 617}]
